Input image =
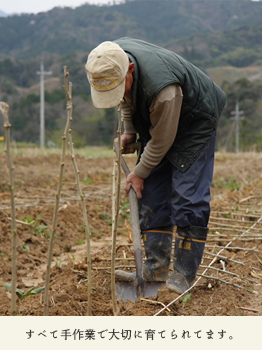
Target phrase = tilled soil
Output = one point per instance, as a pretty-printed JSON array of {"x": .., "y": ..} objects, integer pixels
[{"x": 232, "y": 282}]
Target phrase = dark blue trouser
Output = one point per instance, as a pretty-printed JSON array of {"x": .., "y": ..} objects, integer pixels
[{"x": 171, "y": 197}]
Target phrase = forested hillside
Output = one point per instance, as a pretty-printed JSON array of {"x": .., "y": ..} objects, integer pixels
[
  {"x": 222, "y": 37},
  {"x": 62, "y": 30}
]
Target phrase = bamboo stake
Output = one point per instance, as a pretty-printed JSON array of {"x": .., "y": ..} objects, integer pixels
[
  {"x": 113, "y": 253},
  {"x": 57, "y": 197},
  {"x": 110, "y": 267},
  {"x": 233, "y": 229},
  {"x": 224, "y": 257},
  {"x": 81, "y": 196},
  {"x": 156, "y": 302},
  {"x": 4, "y": 108},
  {"x": 22, "y": 222},
  {"x": 226, "y": 282},
  {"x": 229, "y": 226},
  {"x": 247, "y": 309},
  {"x": 239, "y": 213},
  {"x": 115, "y": 212},
  {"x": 230, "y": 219},
  {"x": 233, "y": 248},
  {"x": 117, "y": 259},
  {"x": 86, "y": 224},
  {"x": 259, "y": 238},
  {"x": 219, "y": 270}
]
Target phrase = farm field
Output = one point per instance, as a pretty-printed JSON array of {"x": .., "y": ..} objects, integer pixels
[{"x": 229, "y": 280}]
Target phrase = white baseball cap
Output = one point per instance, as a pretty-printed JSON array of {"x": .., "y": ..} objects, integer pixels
[{"x": 106, "y": 68}]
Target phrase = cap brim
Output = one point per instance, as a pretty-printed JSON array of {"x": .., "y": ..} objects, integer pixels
[{"x": 108, "y": 99}]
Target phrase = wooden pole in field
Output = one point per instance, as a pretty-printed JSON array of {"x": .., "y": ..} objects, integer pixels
[
  {"x": 115, "y": 211},
  {"x": 59, "y": 188},
  {"x": 4, "y": 108}
]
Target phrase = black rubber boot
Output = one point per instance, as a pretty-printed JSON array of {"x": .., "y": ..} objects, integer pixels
[
  {"x": 158, "y": 248},
  {"x": 189, "y": 247}
]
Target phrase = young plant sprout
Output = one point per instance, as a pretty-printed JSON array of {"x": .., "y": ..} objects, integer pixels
[{"x": 22, "y": 295}]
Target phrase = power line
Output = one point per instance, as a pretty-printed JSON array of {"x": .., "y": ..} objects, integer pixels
[
  {"x": 237, "y": 119},
  {"x": 42, "y": 73}
]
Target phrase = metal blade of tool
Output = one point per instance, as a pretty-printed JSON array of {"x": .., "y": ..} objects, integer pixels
[{"x": 131, "y": 290}]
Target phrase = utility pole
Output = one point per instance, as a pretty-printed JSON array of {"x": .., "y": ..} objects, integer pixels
[
  {"x": 237, "y": 119},
  {"x": 42, "y": 73}
]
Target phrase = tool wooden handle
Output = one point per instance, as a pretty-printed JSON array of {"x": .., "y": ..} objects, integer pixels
[
  {"x": 138, "y": 252},
  {"x": 134, "y": 145}
]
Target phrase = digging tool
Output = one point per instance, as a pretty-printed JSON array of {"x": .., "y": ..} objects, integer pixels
[{"x": 131, "y": 290}]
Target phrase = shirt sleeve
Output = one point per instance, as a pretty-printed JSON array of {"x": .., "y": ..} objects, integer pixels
[
  {"x": 126, "y": 115},
  {"x": 164, "y": 116}
]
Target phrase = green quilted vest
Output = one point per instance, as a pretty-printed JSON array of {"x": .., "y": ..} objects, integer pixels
[{"x": 203, "y": 100}]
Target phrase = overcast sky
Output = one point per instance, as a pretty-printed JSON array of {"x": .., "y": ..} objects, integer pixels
[{"x": 35, "y": 6}]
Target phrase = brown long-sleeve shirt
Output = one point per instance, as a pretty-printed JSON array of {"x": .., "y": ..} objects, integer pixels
[{"x": 164, "y": 117}]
